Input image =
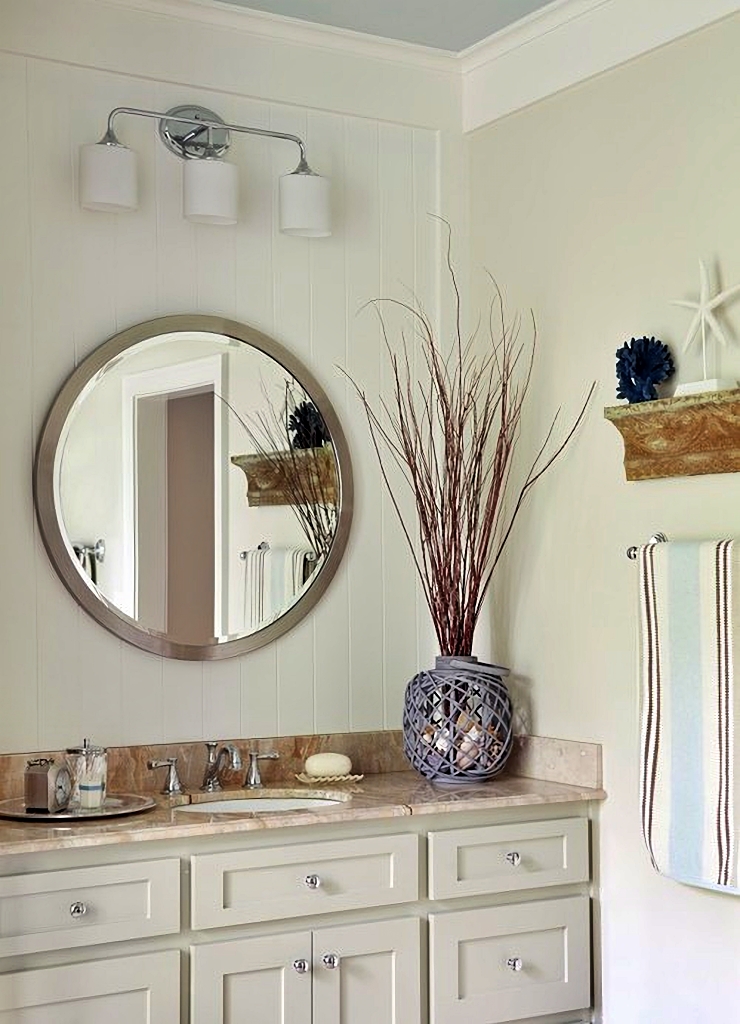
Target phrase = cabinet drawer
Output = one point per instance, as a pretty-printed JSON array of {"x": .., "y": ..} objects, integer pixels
[
  {"x": 503, "y": 858},
  {"x": 127, "y": 990},
  {"x": 504, "y": 963},
  {"x": 316, "y": 878},
  {"x": 87, "y": 906}
]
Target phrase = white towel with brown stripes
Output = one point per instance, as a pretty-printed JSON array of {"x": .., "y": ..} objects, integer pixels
[{"x": 689, "y": 794}]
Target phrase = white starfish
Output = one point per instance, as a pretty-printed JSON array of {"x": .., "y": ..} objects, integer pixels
[{"x": 704, "y": 316}]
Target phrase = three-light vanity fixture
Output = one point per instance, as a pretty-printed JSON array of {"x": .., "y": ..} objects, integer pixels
[{"x": 108, "y": 179}]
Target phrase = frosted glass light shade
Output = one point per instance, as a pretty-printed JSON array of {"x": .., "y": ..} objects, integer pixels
[
  {"x": 304, "y": 205},
  {"x": 210, "y": 193},
  {"x": 108, "y": 178}
]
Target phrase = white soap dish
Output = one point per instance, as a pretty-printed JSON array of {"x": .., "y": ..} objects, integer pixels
[{"x": 323, "y": 780}]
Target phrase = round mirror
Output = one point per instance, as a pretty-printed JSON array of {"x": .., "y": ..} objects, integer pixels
[{"x": 193, "y": 487}]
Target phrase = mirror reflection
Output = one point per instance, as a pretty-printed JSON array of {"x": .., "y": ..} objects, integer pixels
[{"x": 197, "y": 490}]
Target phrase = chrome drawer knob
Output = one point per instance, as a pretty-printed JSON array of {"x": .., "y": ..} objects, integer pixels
[
  {"x": 330, "y": 961},
  {"x": 313, "y": 881},
  {"x": 514, "y": 858},
  {"x": 301, "y": 966},
  {"x": 78, "y": 909},
  {"x": 514, "y": 963}
]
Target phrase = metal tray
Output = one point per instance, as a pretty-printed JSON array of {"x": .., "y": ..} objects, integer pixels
[{"x": 113, "y": 807}]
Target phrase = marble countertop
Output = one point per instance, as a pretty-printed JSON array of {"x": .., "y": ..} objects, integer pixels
[{"x": 389, "y": 795}]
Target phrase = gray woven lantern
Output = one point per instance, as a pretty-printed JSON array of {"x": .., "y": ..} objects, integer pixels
[{"x": 457, "y": 721}]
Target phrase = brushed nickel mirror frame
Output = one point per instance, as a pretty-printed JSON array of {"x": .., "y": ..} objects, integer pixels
[{"x": 67, "y": 568}]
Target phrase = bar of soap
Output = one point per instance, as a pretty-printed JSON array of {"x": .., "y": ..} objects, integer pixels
[{"x": 327, "y": 764}]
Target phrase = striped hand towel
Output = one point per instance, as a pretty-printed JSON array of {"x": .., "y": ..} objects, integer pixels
[
  {"x": 690, "y": 801},
  {"x": 273, "y": 579}
]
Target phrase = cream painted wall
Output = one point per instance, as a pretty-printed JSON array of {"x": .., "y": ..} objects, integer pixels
[
  {"x": 71, "y": 278},
  {"x": 593, "y": 207}
]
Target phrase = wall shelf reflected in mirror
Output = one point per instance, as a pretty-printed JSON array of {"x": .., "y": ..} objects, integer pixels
[
  {"x": 146, "y": 444},
  {"x": 271, "y": 477}
]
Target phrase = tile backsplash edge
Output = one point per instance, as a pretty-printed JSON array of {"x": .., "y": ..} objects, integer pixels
[{"x": 553, "y": 760}]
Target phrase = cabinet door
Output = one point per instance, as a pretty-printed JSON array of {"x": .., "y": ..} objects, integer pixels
[
  {"x": 252, "y": 980},
  {"x": 506, "y": 963},
  {"x": 127, "y": 990},
  {"x": 367, "y": 973}
]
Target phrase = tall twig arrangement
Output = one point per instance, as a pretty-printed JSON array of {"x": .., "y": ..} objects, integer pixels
[
  {"x": 453, "y": 436},
  {"x": 307, "y": 475}
]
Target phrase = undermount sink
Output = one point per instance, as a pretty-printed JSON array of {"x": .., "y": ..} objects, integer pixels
[{"x": 255, "y": 804}]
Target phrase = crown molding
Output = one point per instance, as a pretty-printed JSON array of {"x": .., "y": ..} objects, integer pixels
[
  {"x": 532, "y": 26},
  {"x": 568, "y": 42},
  {"x": 292, "y": 30}
]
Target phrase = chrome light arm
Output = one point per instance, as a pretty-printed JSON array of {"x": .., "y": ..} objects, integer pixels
[{"x": 201, "y": 123}]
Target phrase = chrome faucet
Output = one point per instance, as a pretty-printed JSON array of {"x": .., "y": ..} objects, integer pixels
[
  {"x": 254, "y": 779},
  {"x": 216, "y": 764}
]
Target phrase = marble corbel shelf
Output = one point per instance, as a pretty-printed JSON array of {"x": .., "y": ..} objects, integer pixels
[
  {"x": 685, "y": 436},
  {"x": 266, "y": 475}
]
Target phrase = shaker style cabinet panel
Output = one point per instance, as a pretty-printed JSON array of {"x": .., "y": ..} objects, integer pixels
[
  {"x": 315, "y": 878},
  {"x": 127, "y": 990},
  {"x": 505, "y": 858},
  {"x": 266, "y": 980},
  {"x": 504, "y": 963},
  {"x": 88, "y": 906},
  {"x": 368, "y": 973},
  {"x": 356, "y": 974}
]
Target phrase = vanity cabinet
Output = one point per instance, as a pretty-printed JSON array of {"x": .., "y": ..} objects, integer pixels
[
  {"x": 124, "y": 990},
  {"x": 351, "y": 974},
  {"x": 471, "y": 917}
]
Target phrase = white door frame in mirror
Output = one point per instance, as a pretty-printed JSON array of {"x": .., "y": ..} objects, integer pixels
[{"x": 207, "y": 374}]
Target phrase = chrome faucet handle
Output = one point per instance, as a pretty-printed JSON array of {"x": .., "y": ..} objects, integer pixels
[
  {"x": 172, "y": 785},
  {"x": 254, "y": 779}
]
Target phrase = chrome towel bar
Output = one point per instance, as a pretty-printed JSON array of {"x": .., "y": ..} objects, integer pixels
[{"x": 657, "y": 538}]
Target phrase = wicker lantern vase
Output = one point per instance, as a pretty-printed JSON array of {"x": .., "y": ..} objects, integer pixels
[{"x": 457, "y": 721}]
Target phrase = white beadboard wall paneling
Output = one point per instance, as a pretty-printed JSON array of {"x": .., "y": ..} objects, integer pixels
[
  {"x": 18, "y": 597},
  {"x": 52, "y": 220},
  {"x": 296, "y": 666},
  {"x": 255, "y": 284},
  {"x": 360, "y": 193},
  {"x": 158, "y": 45},
  {"x": 568, "y": 42},
  {"x": 259, "y": 692},
  {"x": 183, "y": 697},
  {"x": 328, "y": 351},
  {"x": 397, "y": 281},
  {"x": 221, "y": 699},
  {"x": 142, "y": 697}
]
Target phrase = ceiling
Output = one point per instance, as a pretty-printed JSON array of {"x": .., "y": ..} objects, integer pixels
[{"x": 445, "y": 24}]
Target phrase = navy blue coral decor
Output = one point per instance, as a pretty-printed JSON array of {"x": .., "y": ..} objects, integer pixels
[{"x": 642, "y": 363}]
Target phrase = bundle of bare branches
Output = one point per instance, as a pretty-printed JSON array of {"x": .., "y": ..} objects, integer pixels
[{"x": 453, "y": 434}]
